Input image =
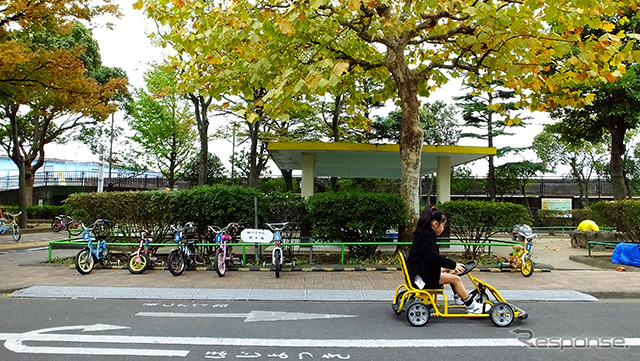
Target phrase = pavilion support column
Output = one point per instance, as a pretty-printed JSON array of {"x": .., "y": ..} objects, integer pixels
[
  {"x": 443, "y": 179},
  {"x": 308, "y": 164}
]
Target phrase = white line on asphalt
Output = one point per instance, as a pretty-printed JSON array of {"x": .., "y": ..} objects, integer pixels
[
  {"x": 253, "y": 316},
  {"x": 261, "y": 342}
]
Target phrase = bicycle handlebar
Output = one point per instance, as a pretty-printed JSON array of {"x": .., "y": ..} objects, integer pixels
[
  {"x": 278, "y": 226},
  {"x": 217, "y": 230},
  {"x": 92, "y": 226},
  {"x": 14, "y": 215}
]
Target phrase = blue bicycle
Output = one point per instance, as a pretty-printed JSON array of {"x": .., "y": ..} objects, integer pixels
[
  {"x": 88, "y": 256},
  {"x": 11, "y": 223}
]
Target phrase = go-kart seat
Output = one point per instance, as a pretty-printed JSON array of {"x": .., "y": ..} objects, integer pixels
[{"x": 408, "y": 278}]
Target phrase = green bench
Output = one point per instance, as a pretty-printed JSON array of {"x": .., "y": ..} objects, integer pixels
[{"x": 590, "y": 244}]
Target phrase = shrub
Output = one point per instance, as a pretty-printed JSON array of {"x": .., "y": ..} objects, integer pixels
[
  {"x": 126, "y": 210},
  {"x": 624, "y": 215},
  {"x": 355, "y": 217},
  {"x": 476, "y": 221},
  {"x": 554, "y": 217},
  {"x": 220, "y": 205}
]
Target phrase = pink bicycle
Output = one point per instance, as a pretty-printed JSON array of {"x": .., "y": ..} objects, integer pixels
[{"x": 224, "y": 252}]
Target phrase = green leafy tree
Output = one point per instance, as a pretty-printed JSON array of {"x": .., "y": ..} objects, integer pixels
[
  {"x": 163, "y": 125},
  {"x": 438, "y": 121},
  {"x": 462, "y": 180},
  {"x": 517, "y": 176},
  {"x": 488, "y": 112},
  {"x": 216, "y": 171},
  {"x": 52, "y": 81},
  {"x": 614, "y": 107},
  {"x": 412, "y": 47},
  {"x": 582, "y": 158}
]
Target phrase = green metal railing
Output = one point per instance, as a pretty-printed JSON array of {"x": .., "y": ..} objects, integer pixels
[{"x": 80, "y": 242}]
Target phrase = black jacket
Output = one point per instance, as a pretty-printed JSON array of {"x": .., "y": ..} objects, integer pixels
[{"x": 425, "y": 258}]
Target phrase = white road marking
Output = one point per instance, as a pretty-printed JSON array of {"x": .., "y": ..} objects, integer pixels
[
  {"x": 14, "y": 342},
  {"x": 253, "y": 316}
]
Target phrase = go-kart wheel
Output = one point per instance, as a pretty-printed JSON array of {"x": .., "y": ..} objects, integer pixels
[
  {"x": 396, "y": 305},
  {"x": 501, "y": 314},
  {"x": 418, "y": 314},
  {"x": 468, "y": 267},
  {"x": 527, "y": 267}
]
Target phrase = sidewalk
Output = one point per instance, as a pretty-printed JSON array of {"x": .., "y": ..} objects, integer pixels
[{"x": 21, "y": 270}]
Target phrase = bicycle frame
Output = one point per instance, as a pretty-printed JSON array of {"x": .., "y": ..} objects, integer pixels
[
  {"x": 223, "y": 253},
  {"x": 102, "y": 245},
  {"x": 9, "y": 222},
  {"x": 145, "y": 238},
  {"x": 277, "y": 254}
]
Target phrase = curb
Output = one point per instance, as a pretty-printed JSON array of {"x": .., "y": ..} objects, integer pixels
[{"x": 602, "y": 263}]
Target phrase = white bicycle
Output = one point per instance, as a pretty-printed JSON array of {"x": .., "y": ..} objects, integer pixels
[{"x": 277, "y": 255}]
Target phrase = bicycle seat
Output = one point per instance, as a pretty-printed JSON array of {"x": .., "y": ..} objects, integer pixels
[
  {"x": 517, "y": 248},
  {"x": 3, "y": 219},
  {"x": 226, "y": 237}
]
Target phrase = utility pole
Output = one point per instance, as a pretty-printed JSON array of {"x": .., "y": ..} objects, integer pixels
[
  {"x": 111, "y": 151},
  {"x": 101, "y": 170}
]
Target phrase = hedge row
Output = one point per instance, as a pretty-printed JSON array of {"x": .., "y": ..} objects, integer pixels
[
  {"x": 37, "y": 212},
  {"x": 332, "y": 216}
]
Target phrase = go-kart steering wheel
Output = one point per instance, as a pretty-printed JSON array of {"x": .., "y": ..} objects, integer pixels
[{"x": 468, "y": 267}]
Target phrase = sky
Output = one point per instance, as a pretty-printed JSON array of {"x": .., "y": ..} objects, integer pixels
[{"x": 127, "y": 46}]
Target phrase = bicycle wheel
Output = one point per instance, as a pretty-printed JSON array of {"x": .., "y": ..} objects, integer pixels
[
  {"x": 74, "y": 228},
  {"x": 220, "y": 263},
  {"x": 176, "y": 262},
  {"x": 56, "y": 225},
  {"x": 139, "y": 264},
  {"x": 527, "y": 267},
  {"x": 16, "y": 232},
  {"x": 84, "y": 261},
  {"x": 277, "y": 261}
]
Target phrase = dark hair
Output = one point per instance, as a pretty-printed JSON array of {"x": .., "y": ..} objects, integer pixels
[{"x": 428, "y": 215}]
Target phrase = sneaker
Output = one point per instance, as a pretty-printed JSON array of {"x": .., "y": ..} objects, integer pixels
[{"x": 475, "y": 308}]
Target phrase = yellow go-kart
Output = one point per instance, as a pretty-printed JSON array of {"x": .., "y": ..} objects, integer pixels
[{"x": 421, "y": 304}]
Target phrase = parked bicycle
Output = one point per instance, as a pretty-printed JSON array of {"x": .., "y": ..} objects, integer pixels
[
  {"x": 66, "y": 222},
  {"x": 521, "y": 256},
  {"x": 277, "y": 255},
  {"x": 185, "y": 254},
  {"x": 141, "y": 259},
  {"x": 224, "y": 252},
  {"x": 88, "y": 256},
  {"x": 10, "y": 223}
]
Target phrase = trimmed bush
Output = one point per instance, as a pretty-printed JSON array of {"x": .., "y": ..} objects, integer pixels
[
  {"x": 624, "y": 215},
  {"x": 355, "y": 217},
  {"x": 476, "y": 221},
  {"x": 220, "y": 205}
]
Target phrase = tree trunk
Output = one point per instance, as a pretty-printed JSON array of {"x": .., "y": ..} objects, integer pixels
[
  {"x": 254, "y": 134},
  {"x": 491, "y": 176},
  {"x": 617, "y": 150},
  {"x": 201, "y": 107},
  {"x": 410, "y": 138},
  {"x": 254, "y": 129},
  {"x": 25, "y": 195},
  {"x": 491, "y": 179},
  {"x": 335, "y": 130},
  {"x": 287, "y": 175}
]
